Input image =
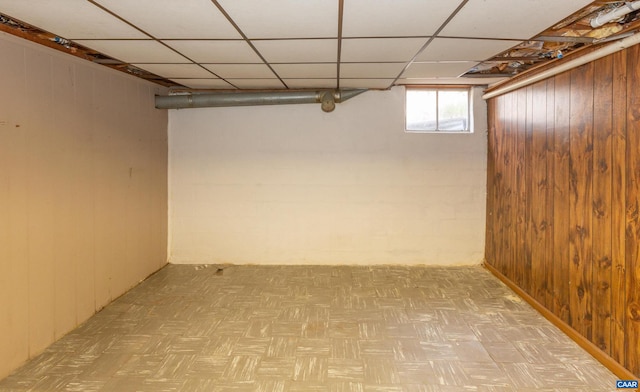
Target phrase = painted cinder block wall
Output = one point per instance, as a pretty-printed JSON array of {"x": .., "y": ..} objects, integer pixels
[
  {"x": 563, "y": 218},
  {"x": 83, "y": 194},
  {"x": 294, "y": 185}
]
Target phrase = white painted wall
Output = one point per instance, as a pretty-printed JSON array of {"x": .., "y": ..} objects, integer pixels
[
  {"x": 83, "y": 192},
  {"x": 294, "y": 185}
]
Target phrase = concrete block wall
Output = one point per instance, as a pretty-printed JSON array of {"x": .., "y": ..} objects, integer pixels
[{"x": 294, "y": 185}]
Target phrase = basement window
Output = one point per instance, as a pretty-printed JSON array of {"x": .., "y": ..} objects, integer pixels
[{"x": 438, "y": 109}]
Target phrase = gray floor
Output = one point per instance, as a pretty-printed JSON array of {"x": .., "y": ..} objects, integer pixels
[{"x": 290, "y": 328}]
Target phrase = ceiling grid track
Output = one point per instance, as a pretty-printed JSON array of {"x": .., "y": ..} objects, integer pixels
[
  {"x": 430, "y": 40},
  {"x": 247, "y": 40},
  {"x": 155, "y": 39},
  {"x": 257, "y": 45}
]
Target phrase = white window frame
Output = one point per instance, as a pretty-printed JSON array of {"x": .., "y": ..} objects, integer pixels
[{"x": 437, "y": 89}]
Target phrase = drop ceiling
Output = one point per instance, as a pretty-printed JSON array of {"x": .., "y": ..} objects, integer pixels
[{"x": 280, "y": 44}]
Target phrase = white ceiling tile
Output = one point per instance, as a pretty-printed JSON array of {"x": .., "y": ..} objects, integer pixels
[
  {"x": 138, "y": 51},
  {"x": 362, "y": 18},
  {"x": 204, "y": 83},
  {"x": 365, "y": 83},
  {"x": 298, "y": 51},
  {"x": 171, "y": 71},
  {"x": 460, "y": 80},
  {"x": 223, "y": 51},
  {"x": 443, "y": 69},
  {"x": 371, "y": 70},
  {"x": 520, "y": 19},
  {"x": 380, "y": 49},
  {"x": 71, "y": 19},
  {"x": 456, "y": 49},
  {"x": 197, "y": 29},
  {"x": 174, "y": 19},
  {"x": 311, "y": 83},
  {"x": 240, "y": 70},
  {"x": 257, "y": 83},
  {"x": 284, "y": 18},
  {"x": 303, "y": 71}
]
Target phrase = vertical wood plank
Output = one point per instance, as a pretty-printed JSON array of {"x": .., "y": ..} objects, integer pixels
[
  {"x": 632, "y": 322},
  {"x": 489, "y": 248},
  {"x": 510, "y": 240},
  {"x": 561, "y": 197},
  {"x": 527, "y": 202},
  {"x": 538, "y": 200},
  {"x": 520, "y": 188},
  {"x": 501, "y": 195},
  {"x": 501, "y": 178},
  {"x": 580, "y": 187},
  {"x": 618, "y": 206},
  {"x": 549, "y": 213},
  {"x": 601, "y": 205}
]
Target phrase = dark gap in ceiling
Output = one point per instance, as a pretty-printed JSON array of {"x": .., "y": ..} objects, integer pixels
[{"x": 572, "y": 33}]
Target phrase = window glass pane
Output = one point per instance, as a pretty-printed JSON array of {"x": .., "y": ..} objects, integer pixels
[
  {"x": 453, "y": 110},
  {"x": 421, "y": 110}
]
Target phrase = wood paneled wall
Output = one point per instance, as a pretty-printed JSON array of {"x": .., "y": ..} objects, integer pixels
[{"x": 563, "y": 187}]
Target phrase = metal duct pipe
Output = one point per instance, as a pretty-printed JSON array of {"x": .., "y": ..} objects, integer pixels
[
  {"x": 328, "y": 99},
  {"x": 616, "y": 14}
]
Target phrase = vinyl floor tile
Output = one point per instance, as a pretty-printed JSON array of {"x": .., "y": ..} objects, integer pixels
[{"x": 315, "y": 328}]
